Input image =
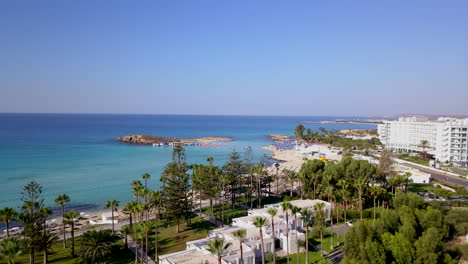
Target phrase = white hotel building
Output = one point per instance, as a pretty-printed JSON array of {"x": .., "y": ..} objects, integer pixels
[
  {"x": 447, "y": 137},
  {"x": 196, "y": 251}
]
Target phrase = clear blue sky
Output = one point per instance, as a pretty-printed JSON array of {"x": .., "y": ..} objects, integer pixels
[{"x": 234, "y": 57}]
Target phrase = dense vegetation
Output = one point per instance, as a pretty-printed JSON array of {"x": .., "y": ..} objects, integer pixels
[
  {"x": 412, "y": 232},
  {"x": 336, "y": 140}
]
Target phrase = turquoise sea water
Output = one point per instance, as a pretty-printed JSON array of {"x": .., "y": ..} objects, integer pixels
[{"x": 77, "y": 153}]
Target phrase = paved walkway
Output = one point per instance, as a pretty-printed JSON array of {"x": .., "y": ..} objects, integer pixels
[{"x": 140, "y": 253}]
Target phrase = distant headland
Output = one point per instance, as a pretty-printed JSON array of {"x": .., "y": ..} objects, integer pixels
[{"x": 150, "y": 140}]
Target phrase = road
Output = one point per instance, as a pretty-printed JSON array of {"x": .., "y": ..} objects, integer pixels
[
  {"x": 336, "y": 256},
  {"x": 440, "y": 176}
]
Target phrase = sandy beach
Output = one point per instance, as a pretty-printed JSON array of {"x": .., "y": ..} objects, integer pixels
[{"x": 288, "y": 158}]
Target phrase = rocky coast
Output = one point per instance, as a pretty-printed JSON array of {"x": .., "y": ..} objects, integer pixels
[{"x": 149, "y": 140}]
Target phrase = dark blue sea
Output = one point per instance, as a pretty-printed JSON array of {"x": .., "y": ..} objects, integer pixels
[{"x": 77, "y": 154}]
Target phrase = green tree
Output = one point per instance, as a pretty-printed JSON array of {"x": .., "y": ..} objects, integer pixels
[
  {"x": 240, "y": 234},
  {"x": 424, "y": 144},
  {"x": 155, "y": 199},
  {"x": 311, "y": 174},
  {"x": 126, "y": 230},
  {"x": 96, "y": 246},
  {"x": 45, "y": 244},
  {"x": 146, "y": 228},
  {"x": 7, "y": 215},
  {"x": 10, "y": 248},
  {"x": 112, "y": 204},
  {"x": 225, "y": 180},
  {"x": 299, "y": 131},
  {"x": 294, "y": 211},
  {"x": 319, "y": 210},
  {"x": 360, "y": 184},
  {"x": 285, "y": 206},
  {"x": 260, "y": 222},
  {"x": 292, "y": 177},
  {"x": 70, "y": 218},
  {"x": 272, "y": 212},
  {"x": 61, "y": 200},
  {"x": 32, "y": 217},
  {"x": 277, "y": 167},
  {"x": 176, "y": 189},
  {"x": 375, "y": 191},
  {"x": 218, "y": 246},
  {"x": 401, "y": 248},
  {"x": 234, "y": 168},
  {"x": 307, "y": 221}
]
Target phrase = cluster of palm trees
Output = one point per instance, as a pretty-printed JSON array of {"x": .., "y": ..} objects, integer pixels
[
  {"x": 144, "y": 213},
  {"x": 36, "y": 235}
]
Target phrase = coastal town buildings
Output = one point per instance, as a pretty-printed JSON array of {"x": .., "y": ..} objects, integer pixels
[
  {"x": 447, "y": 137},
  {"x": 196, "y": 251}
]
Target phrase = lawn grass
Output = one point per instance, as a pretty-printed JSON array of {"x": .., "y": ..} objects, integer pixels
[
  {"x": 437, "y": 190},
  {"x": 337, "y": 241},
  {"x": 61, "y": 255},
  {"x": 460, "y": 171},
  {"x": 415, "y": 159},
  {"x": 229, "y": 212},
  {"x": 314, "y": 256},
  {"x": 170, "y": 241}
]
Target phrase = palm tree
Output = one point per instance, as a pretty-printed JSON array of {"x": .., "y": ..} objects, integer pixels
[
  {"x": 127, "y": 210},
  {"x": 272, "y": 211},
  {"x": 344, "y": 192},
  {"x": 217, "y": 247},
  {"x": 360, "y": 183},
  {"x": 330, "y": 192},
  {"x": 251, "y": 171},
  {"x": 135, "y": 208},
  {"x": 113, "y": 205},
  {"x": 95, "y": 246},
  {"x": 61, "y": 200},
  {"x": 375, "y": 191},
  {"x": 240, "y": 235},
  {"x": 146, "y": 228},
  {"x": 70, "y": 218},
  {"x": 393, "y": 182},
  {"x": 260, "y": 222},
  {"x": 291, "y": 176},
  {"x": 7, "y": 215},
  {"x": 319, "y": 209},
  {"x": 126, "y": 230},
  {"x": 225, "y": 180},
  {"x": 306, "y": 219},
  {"x": 155, "y": 199},
  {"x": 277, "y": 166},
  {"x": 146, "y": 177},
  {"x": 424, "y": 144},
  {"x": 138, "y": 191},
  {"x": 259, "y": 172},
  {"x": 10, "y": 248},
  {"x": 294, "y": 211},
  {"x": 46, "y": 242},
  {"x": 285, "y": 206},
  {"x": 45, "y": 213}
]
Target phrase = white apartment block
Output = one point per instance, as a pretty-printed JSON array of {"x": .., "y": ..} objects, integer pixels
[
  {"x": 196, "y": 251},
  {"x": 447, "y": 137}
]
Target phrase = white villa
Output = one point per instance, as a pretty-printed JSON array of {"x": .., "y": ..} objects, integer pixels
[{"x": 196, "y": 251}]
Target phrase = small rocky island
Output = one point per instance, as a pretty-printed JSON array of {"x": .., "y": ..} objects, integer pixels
[{"x": 150, "y": 140}]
